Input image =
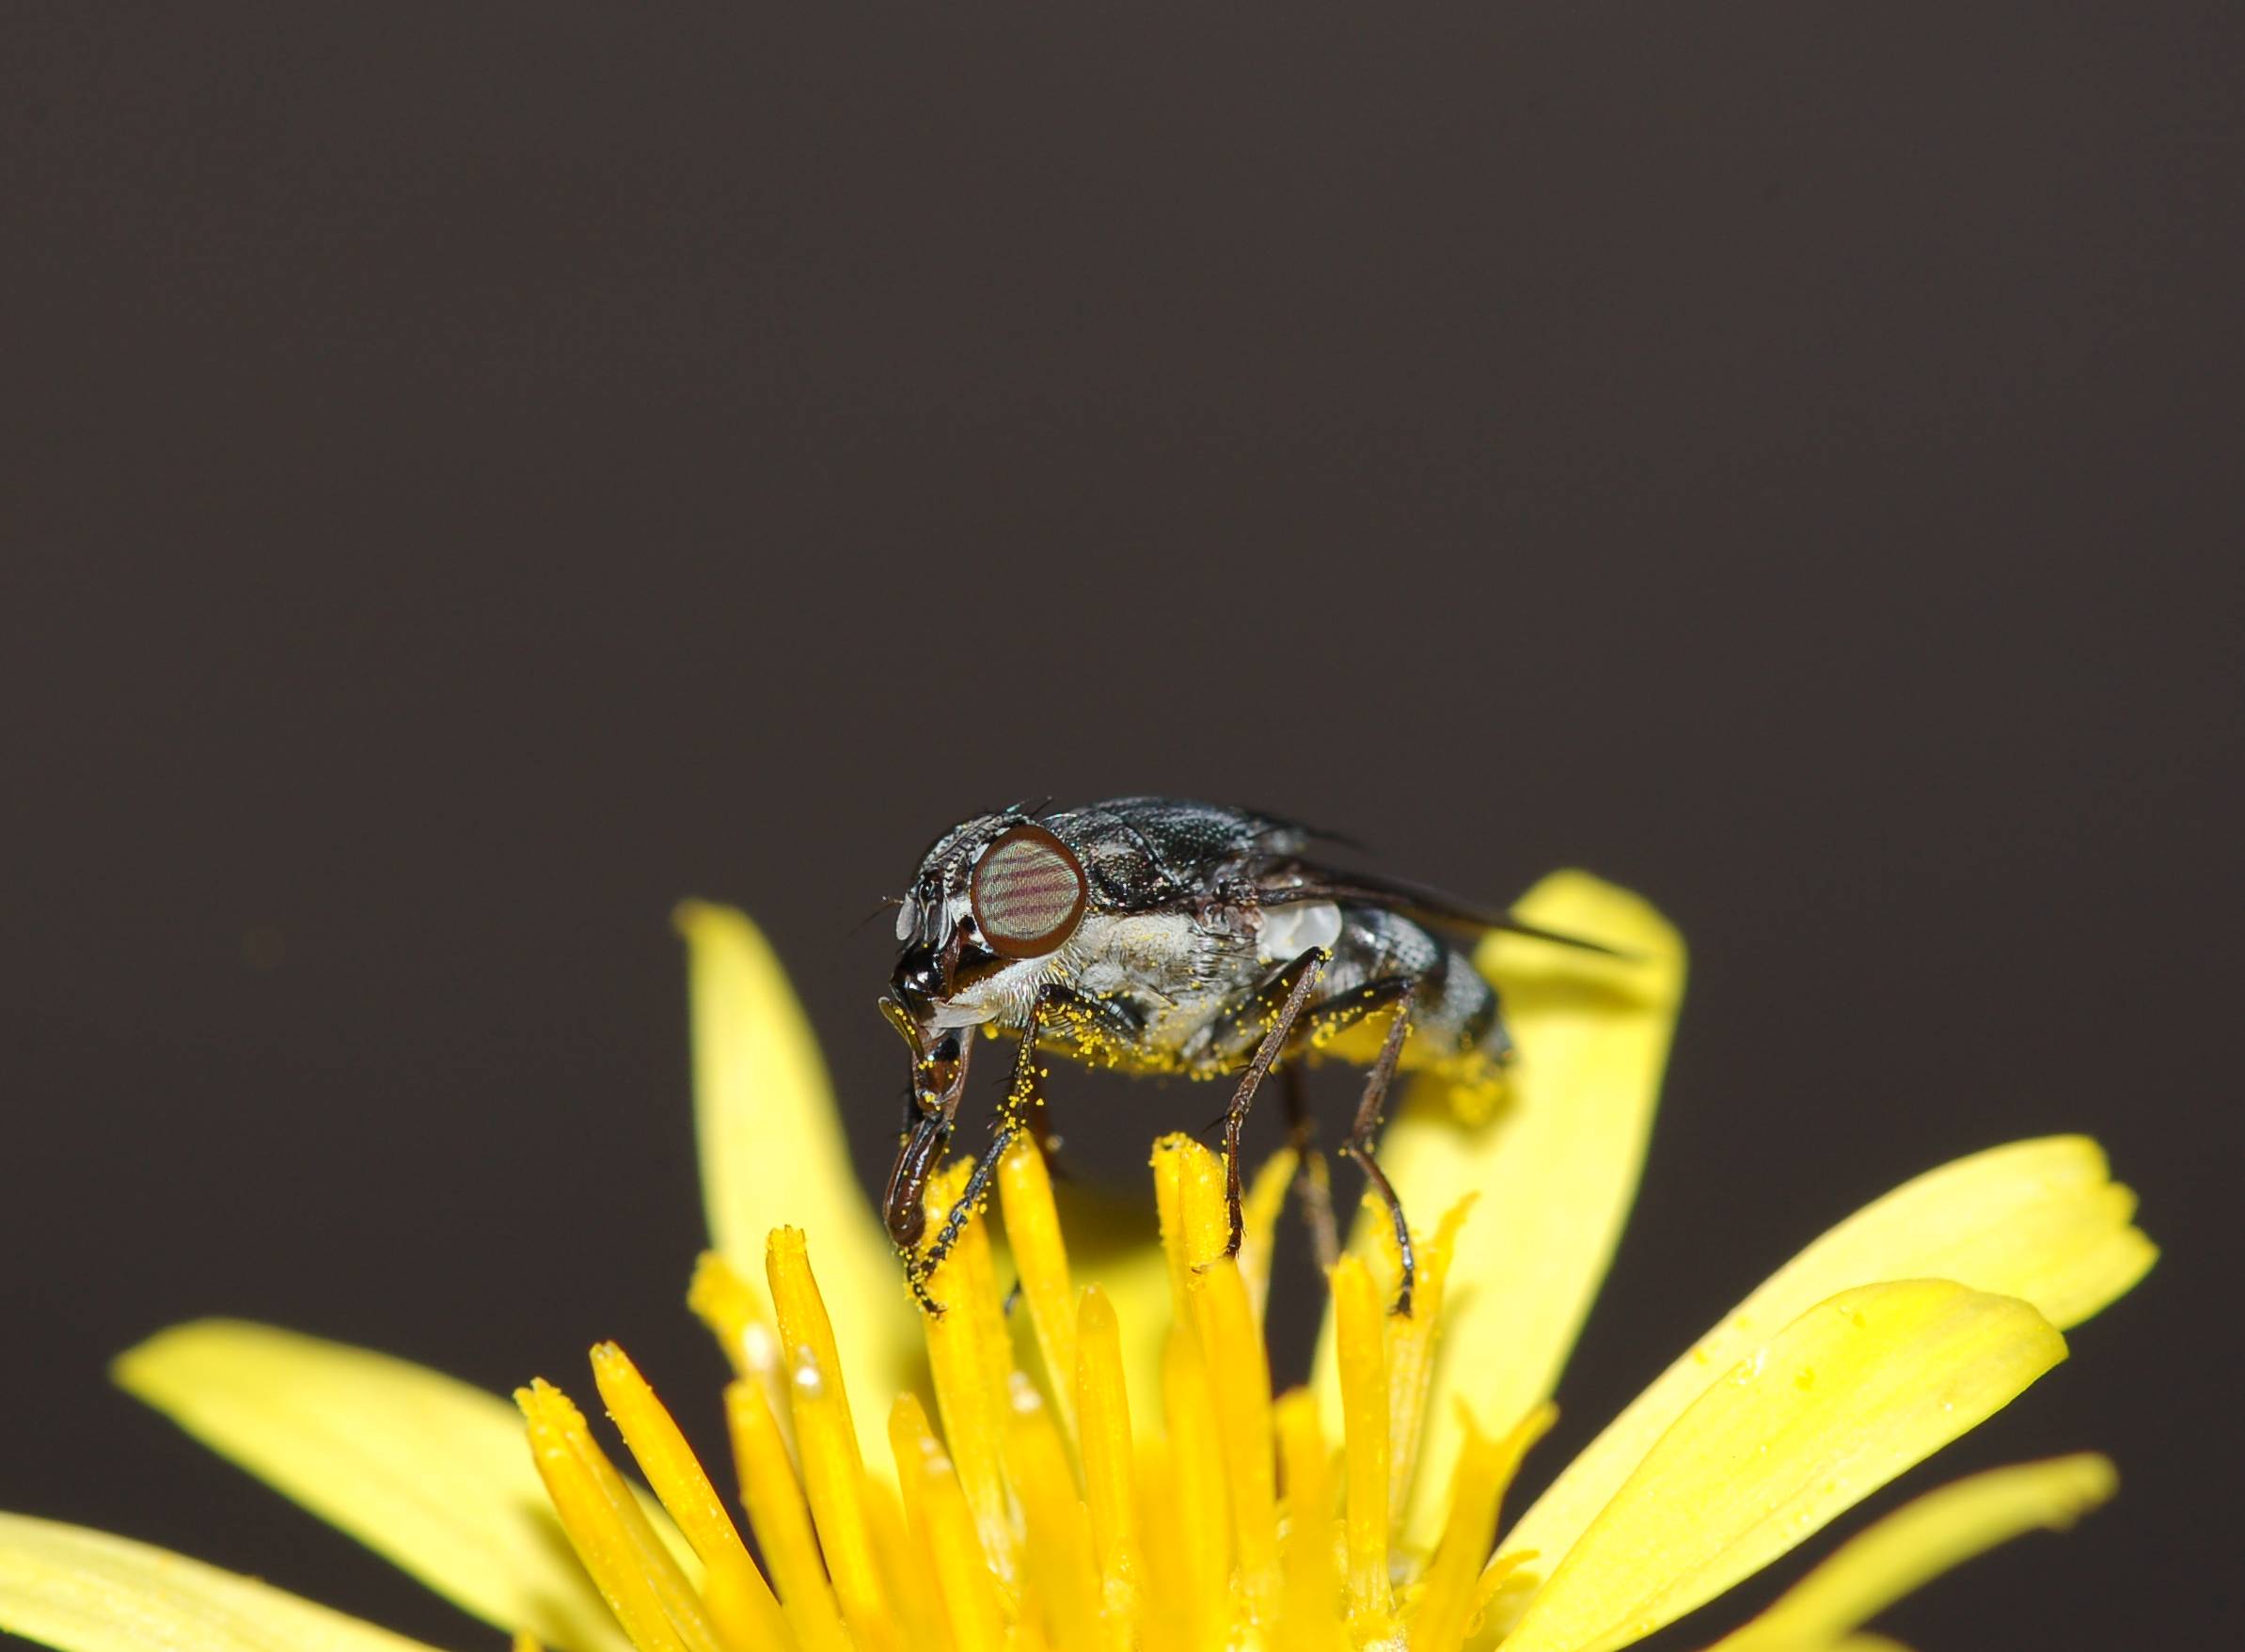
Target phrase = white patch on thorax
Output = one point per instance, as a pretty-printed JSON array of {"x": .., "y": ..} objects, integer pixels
[{"x": 1290, "y": 931}]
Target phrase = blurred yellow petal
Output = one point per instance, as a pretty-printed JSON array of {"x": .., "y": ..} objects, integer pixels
[
  {"x": 83, "y": 1591},
  {"x": 1556, "y": 1169},
  {"x": 1919, "y": 1542},
  {"x": 773, "y": 1154},
  {"x": 424, "y": 1470},
  {"x": 1847, "y": 1396},
  {"x": 2041, "y": 1221}
]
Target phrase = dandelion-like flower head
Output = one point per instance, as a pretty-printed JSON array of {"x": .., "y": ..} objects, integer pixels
[{"x": 1107, "y": 1465}]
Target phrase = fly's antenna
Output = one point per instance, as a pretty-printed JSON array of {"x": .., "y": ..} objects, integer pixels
[{"x": 887, "y": 904}]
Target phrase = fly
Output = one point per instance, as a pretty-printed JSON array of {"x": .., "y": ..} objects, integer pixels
[{"x": 1155, "y": 935}]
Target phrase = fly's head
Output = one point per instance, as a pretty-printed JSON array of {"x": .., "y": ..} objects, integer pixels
[{"x": 993, "y": 904}]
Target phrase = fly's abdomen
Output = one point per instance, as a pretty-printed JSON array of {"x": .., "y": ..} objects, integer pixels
[{"x": 1456, "y": 1029}]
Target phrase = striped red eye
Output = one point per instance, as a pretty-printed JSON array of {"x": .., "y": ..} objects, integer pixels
[{"x": 1028, "y": 892}]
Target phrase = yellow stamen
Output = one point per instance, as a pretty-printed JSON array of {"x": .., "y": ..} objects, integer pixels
[
  {"x": 1259, "y": 1213},
  {"x": 526, "y": 1643},
  {"x": 1188, "y": 1195},
  {"x": 1411, "y": 1342},
  {"x": 741, "y": 1608},
  {"x": 1104, "y": 1425},
  {"x": 736, "y": 1314},
  {"x": 1520, "y": 1441},
  {"x": 971, "y": 1358},
  {"x": 936, "y": 1505},
  {"x": 833, "y": 1473},
  {"x": 1239, "y": 1383},
  {"x": 1032, "y": 1232},
  {"x": 1451, "y": 1590},
  {"x": 661, "y": 1450},
  {"x": 1311, "y": 1622},
  {"x": 781, "y": 1519},
  {"x": 1057, "y": 1555},
  {"x": 1359, "y": 1312},
  {"x": 733, "y": 1311},
  {"x": 909, "y": 1564},
  {"x": 1501, "y": 1576},
  {"x": 638, "y": 1577},
  {"x": 1201, "y": 1512},
  {"x": 1167, "y": 1600}
]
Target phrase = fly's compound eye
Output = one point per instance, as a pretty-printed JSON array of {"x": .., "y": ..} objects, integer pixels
[{"x": 1028, "y": 893}]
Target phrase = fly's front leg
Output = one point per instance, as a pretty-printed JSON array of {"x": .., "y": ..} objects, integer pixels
[
  {"x": 1022, "y": 1108},
  {"x": 1297, "y": 980},
  {"x": 1023, "y": 1101},
  {"x": 1359, "y": 1144}
]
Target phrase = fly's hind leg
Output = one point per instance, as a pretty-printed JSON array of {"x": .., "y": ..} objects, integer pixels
[
  {"x": 1296, "y": 980},
  {"x": 1359, "y": 1145}
]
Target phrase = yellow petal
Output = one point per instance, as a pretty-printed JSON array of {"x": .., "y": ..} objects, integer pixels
[
  {"x": 2041, "y": 1221},
  {"x": 773, "y": 1153},
  {"x": 83, "y": 1591},
  {"x": 1920, "y": 1541},
  {"x": 422, "y": 1468},
  {"x": 1844, "y": 1399},
  {"x": 1556, "y": 1169}
]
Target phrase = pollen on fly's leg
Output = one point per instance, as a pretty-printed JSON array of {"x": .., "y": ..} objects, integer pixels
[{"x": 1019, "y": 1113}]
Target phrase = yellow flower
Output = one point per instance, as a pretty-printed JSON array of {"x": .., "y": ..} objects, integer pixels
[{"x": 1107, "y": 1466}]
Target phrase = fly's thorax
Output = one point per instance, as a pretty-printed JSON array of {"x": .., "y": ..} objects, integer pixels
[
  {"x": 1159, "y": 953},
  {"x": 1174, "y": 972}
]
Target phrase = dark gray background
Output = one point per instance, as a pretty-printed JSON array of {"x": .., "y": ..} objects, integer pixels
[{"x": 473, "y": 474}]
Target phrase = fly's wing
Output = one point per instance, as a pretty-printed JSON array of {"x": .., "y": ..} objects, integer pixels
[{"x": 1285, "y": 882}]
